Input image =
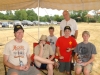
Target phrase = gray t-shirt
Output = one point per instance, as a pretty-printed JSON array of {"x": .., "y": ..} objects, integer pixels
[
  {"x": 52, "y": 41},
  {"x": 85, "y": 51}
]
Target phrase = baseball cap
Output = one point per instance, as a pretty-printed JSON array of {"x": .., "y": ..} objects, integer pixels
[
  {"x": 67, "y": 27},
  {"x": 17, "y": 27}
]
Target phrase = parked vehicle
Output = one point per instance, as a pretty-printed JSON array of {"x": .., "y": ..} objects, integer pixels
[
  {"x": 5, "y": 24},
  {"x": 24, "y": 22},
  {"x": 27, "y": 22},
  {"x": 17, "y": 23},
  {"x": 58, "y": 23},
  {"x": 47, "y": 23},
  {"x": 36, "y": 22},
  {"x": 54, "y": 22},
  {"x": 42, "y": 23},
  {"x": 10, "y": 22}
]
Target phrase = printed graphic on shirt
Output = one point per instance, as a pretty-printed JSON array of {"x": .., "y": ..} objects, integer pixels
[
  {"x": 18, "y": 51},
  {"x": 70, "y": 43},
  {"x": 51, "y": 42},
  {"x": 83, "y": 53}
]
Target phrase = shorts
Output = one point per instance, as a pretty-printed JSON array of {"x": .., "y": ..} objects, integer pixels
[
  {"x": 73, "y": 53},
  {"x": 32, "y": 71},
  {"x": 88, "y": 67},
  {"x": 43, "y": 66},
  {"x": 64, "y": 66}
]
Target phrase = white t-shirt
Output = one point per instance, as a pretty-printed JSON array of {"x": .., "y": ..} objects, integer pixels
[
  {"x": 17, "y": 51},
  {"x": 72, "y": 23},
  {"x": 52, "y": 41}
]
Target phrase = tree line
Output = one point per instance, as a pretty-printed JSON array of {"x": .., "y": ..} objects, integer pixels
[{"x": 79, "y": 16}]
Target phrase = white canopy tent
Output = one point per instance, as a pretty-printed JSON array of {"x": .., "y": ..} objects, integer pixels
[{"x": 53, "y": 4}]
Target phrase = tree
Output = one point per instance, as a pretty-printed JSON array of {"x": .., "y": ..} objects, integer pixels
[
  {"x": 9, "y": 15},
  {"x": 61, "y": 18},
  {"x": 80, "y": 13},
  {"x": 57, "y": 18},
  {"x": 1, "y": 16},
  {"x": 47, "y": 18},
  {"x": 21, "y": 15},
  {"x": 43, "y": 19},
  {"x": 83, "y": 18},
  {"x": 31, "y": 15}
]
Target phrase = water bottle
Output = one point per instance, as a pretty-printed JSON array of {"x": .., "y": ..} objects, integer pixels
[{"x": 21, "y": 63}]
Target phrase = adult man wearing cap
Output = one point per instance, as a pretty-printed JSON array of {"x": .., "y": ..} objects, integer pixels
[
  {"x": 44, "y": 50},
  {"x": 16, "y": 55},
  {"x": 65, "y": 44}
]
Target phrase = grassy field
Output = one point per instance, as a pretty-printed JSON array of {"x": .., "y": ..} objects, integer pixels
[{"x": 31, "y": 35}]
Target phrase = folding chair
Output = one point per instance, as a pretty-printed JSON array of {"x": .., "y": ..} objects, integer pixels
[{"x": 32, "y": 63}]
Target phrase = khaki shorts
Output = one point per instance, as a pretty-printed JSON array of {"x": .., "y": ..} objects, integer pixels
[
  {"x": 32, "y": 71},
  {"x": 88, "y": 67}
]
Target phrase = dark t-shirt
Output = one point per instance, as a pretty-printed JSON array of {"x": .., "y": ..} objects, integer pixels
[{"x": 85, "y": 51}]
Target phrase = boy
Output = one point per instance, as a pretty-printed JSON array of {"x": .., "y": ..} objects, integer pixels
[
  {"x": 44, "y": 50},
  {"x": 52, "y": 39},
  {"x": 65, "y": 44},
  {"x": 85, "y": 54}
]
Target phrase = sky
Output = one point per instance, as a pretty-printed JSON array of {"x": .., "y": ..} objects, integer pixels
[
  {"x": 50, "y": 12},
  {"x": 44, "y": 11}
]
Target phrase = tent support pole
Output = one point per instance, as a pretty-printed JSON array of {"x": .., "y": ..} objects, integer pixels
[
  {"x": 38, "y": 19},
  {"x": 82, "y": 4}
]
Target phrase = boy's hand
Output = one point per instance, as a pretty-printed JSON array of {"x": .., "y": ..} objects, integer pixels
[
  {"x": 41, "y": 45},
  {"x": 78, "y": 61},
  {"x": 68, "y": 50},
  {"x": 61, "y": 57},
  {"x": 84, "y": 63}
]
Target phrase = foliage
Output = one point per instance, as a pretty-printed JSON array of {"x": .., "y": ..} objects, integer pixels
[
  {"x": 92, "y": 20},
  {"x": 45, "y": 18},
  {"x": 79, "y": 16},
  {"x": 1, "y": 16},
  {"x": 31, "y": 15},
  {"x": 20, "y": 15}
]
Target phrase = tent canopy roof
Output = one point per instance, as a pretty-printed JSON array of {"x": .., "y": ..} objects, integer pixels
[{"x": 53, "y": 4}]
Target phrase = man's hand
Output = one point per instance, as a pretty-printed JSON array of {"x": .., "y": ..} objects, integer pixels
[
  {"x": 61, "y": 57},
  {"x": 26, "y": 67},
  {"x": 19, "y": 67}
]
